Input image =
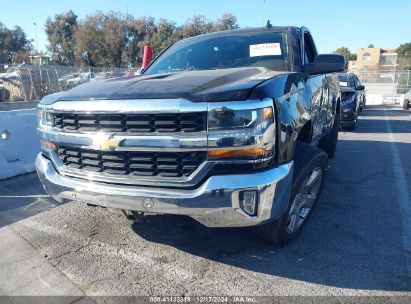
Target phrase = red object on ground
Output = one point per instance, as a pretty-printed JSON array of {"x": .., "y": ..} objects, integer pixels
[{"x": 147, "y": 56}]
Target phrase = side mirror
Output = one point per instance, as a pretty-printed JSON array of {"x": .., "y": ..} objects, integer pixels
[
  {"x": 360, "y": 88},
  {"x": 327, "y": 63}
]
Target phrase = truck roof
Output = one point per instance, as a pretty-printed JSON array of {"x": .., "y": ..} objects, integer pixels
[{"x": 287, "y": 29}]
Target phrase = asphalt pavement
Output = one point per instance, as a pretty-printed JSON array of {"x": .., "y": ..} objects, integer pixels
[{"x": 357, "y": 241}]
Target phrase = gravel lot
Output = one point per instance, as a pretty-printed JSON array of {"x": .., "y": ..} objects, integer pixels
[{"x": 357, "y": 242}]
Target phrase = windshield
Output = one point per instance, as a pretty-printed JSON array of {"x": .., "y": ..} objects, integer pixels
[
  {"x": 345, "y": 81},
  {"x": 269, "y": 49}
]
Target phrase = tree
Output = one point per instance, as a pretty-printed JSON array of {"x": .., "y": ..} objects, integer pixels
[
  {"x": 404, "y": 49},
  {"x": 140, "y": 32},
  {"x": 21, "y": 56},
  {"x": 346, "y": 53},
  {"x": 163, "y": 35},
  {"x": 112, "y": 39},
  {"x": 226, "y": 22},
  {"x": 114, "y": 32},
  {"x": 196, "y": 26},
  {"x": 90, "y": 41},
  {"x": 101, "y": 39},
  {"x": 371, "y": 46},
  {"x": 61, "y": 36},
  {"x": 13, "y": 42}
]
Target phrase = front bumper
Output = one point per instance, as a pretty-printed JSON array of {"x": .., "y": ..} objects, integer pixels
[
  {"x": 215, "y": 203},
  {"x": 348, "y": 117}
]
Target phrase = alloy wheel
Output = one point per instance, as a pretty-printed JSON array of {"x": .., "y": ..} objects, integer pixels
[{"x": 304, "y": 200}]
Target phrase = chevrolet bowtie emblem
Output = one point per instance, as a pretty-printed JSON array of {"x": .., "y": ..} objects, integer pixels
[{"x": 105, "y": 142}]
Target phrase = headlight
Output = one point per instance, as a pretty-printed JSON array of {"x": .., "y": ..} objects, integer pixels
[
  {"x": 247, "y": 134},
  {"x": 44, "y": 117},
  {"x": 227, "y": 119}
]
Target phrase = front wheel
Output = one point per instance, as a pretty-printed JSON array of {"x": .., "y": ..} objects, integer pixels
[{"x": 310, "y": 168}]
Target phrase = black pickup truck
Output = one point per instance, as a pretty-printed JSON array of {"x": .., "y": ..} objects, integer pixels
[
  {"x": 352, "y": 99},
  {"x": 233, "y": 128}
]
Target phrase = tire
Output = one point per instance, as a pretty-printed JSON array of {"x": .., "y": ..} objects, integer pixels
[
  {"x": 4, "y": 95},
  {"x": 406, "y": 104},
  {"x": 329, "y": 142},
  {"x": 349, "y": 127},
  {"x": 309, "y": 161}
]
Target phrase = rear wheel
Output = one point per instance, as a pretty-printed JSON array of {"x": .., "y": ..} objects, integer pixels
[
  {"x": 310, "y": 168},
  {"x": 350, "y": 127}
]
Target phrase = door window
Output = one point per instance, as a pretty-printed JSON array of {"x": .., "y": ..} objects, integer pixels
[{"x": 309, "y": 50}]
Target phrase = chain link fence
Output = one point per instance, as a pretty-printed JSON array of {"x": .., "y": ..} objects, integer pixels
[
  {"x": 386, "y": 87},
  {"x": 31, "y": 82}
]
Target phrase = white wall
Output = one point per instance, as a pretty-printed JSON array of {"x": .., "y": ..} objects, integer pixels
[
  {"x": 381, "y": 93},
  {"x": 18, "y": 153}
]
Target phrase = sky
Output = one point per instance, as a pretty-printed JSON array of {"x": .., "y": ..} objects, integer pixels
[{"x": 353, "y": 24}]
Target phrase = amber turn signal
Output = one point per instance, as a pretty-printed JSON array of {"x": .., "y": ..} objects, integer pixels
[
  {"x": 45, "y": 144},
  {"x": 268, "y": 113},
  {"x": 247, "y": 152}
]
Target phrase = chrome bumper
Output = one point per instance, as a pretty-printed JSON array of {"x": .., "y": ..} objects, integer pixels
[{"x": 215, "y": 203}]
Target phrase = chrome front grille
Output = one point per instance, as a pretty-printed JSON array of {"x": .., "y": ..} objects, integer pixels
[
  {"x": 144, "y": 164},
  {"x": 138, "y": 123}
]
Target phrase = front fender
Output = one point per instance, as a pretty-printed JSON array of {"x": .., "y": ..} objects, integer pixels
[{"x": 292, "y": 103}]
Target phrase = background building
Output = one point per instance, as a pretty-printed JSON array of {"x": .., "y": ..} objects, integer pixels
[
  {"x": 40, "y": 59},
  {"x": 374, "y": 60}
]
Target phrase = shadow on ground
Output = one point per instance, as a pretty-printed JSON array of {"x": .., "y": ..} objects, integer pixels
[
  {"x": 389, "y": 111},
  {"x": 380, "y": 126},
  {"x": 353, "y": 239}
]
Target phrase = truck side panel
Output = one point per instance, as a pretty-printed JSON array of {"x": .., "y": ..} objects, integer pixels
[{"x": 299, "y": 100}]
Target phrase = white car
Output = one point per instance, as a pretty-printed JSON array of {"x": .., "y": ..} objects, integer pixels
[{"x": 80, "y": 79}]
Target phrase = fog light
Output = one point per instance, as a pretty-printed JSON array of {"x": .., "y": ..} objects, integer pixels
[
  {"x": 5, "y": 135},
  {"x": 249, "y": 201}
]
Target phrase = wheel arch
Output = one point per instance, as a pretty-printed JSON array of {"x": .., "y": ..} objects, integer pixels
[{"x": 304, "y": 134}]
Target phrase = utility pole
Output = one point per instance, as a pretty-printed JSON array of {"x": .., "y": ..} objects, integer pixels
[
  {"x": 37, "y": 41},
  {"x": 263, "y": 15}
]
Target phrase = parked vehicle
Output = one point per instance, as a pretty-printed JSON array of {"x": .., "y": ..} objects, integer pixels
[
  {"x": 352, "y": 99},
  {"x": 12, "y": 84},
  {"x": 407, "y": 101},
  {"x": 74, "y": 79},
  {"x": 81, "y": 78},
  {"x": 360, "y": 89},
  {"x": 233, "y": 128},
  {"x": 64, "y": 80}
]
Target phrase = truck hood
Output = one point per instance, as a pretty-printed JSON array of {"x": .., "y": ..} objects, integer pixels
[{"x": 209, "y": 85}]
